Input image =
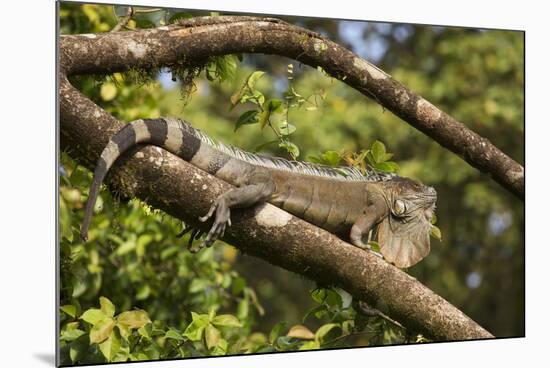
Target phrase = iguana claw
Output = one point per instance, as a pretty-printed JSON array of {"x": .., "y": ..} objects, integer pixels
[{"x": 221, "y": 221}]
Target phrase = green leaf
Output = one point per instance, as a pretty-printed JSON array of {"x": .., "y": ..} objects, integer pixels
[
  {"x": 248, "y": 117},
  {"x": 69, "y": 309},
  {"x": 238, "y": 285},
  {"x": 243, "y": 309},
  {"x": 263, "y": 145},
  {"x": 71, "y": 326},
  {"x": 194, "y": 331},
  {"x": 310, "y": 345},
  {"x": 198, "y": 285},
  {"x": 134, "y": 319},
  {"x": 79, "y": 287},
  {"x": 347, "y": 326},
  {"x": 79, "y": 347},
  {"x": 387, "y": 156},
  {"x": 300, "y": 332},
  {"x": 211, "y": 336},
  {"x": 93, "y": 316},
  {"x": 290, "y": 148},
  {"x": 269, "y": 107},
  {"x": 435, "y": 232},
  {"x": 333, "y": 299},
  {"x": 331, "y": 158},
  {"x": 211, "y": 313},
  {"x": 102, "y": 330},
  {"x": 178, "y": 15},
  {"x": 378, "y": 151},
  {"x": 324, "y": 330},
  {"x": 110, "y": 347},
  {"x": 225, "y": 67},
  {"x": 286, "y": 343},
  {"x": 314, "y": 159},
  {"x": 319, "y": 295},
  {"x": 273, "y": 105},
  {"x": 253, "y": 78},
  {"x": 266, "y": 349},
  {"x": 106, "y": 306},
  {"x": 237, "y": 95},
  {"x": 313, "y": 311},
  {"x": 226, "y": 320},
  {"x": 65, "y": 220},
  {"x": 124, "y": 331},
  {"x": 220, "y": 348},
  {"x": 108, "y": 91},
  {"x": 374, "y": 245},
  {"x": 173, "y": 334},
  {"x": 142, "y": 241},
  {"x": 264, "y": 118},
  {"x": 126, "y": 247},
  {"x": 285, "y": 128},
  {"x": 71, "y": 334},
  {"x": 169, "y": 252},
  {"x": 276, "y": 331},
  {"x": 256, "y": 97},
  {"x": 388, "y": 166},
  {"x": 251, "y": 294},
  {"x": 145, "y": 331},
  {"x": 143, "y": 292}
]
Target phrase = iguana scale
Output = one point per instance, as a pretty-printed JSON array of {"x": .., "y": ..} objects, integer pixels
[{"x": 341, "y": 200}]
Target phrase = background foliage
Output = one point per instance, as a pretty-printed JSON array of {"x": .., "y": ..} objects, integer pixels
[{"x": 134, "y": 292}]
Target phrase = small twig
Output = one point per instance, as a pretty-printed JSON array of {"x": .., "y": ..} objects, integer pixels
[
  {"x": 367, "y": 310},
  {"x": 328, "y": 343},
  {"x": 123, "y": 22}
]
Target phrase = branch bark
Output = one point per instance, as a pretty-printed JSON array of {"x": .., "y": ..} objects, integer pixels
[
  {"x": 199, "y": 38},
  {"x": 178, "y": 188}
]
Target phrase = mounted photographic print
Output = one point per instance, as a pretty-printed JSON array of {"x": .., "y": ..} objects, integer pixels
[{"x": 235, "y": 184}]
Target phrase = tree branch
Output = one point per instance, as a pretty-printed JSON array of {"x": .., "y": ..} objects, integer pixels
[
  {"x": 178, "y": 188},
  {"x": 200, "y": 38}
]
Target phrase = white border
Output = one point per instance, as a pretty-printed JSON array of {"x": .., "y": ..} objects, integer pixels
[{"x": 27, "y": 188}]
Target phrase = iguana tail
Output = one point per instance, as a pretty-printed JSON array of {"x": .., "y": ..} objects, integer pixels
[{"x": 172, "y": 134}]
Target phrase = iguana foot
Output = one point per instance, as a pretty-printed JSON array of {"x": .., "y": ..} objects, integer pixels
[
  {"x": 196, "y": 234},
  {"x": 379, "y": 255},
  {"x": 221, "y": 222},
  {"x": 184, "y": 231},
  {"x": 367, "y": 247}
]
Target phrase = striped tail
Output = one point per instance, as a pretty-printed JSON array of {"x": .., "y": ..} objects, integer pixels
[{"x": 171, "y": 134}]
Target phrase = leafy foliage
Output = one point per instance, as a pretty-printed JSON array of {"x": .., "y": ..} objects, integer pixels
[{"x": 133, "y": 292}]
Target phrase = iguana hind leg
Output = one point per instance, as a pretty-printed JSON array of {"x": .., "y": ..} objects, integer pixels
[{"x": 258, "y": 188}]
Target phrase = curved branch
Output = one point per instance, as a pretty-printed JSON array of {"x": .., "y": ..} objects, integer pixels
[
  {"x": 178, "y": 188},
  {"x": 200, "y": 38},
  {"x": 123, "y": 21}
]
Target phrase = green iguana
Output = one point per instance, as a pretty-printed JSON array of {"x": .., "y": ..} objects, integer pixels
[{"x": 341, "y": 200}]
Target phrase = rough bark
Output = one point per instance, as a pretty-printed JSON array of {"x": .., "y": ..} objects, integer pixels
[
  {"x": 199, "y": 38},
  {"x": 178, "y": 188}
]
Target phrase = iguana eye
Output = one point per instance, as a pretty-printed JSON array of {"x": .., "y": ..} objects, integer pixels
[{"x": 399, "y": 207}]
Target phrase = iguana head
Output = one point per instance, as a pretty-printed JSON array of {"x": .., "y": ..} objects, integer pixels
[{"x": 404, "y": 235}]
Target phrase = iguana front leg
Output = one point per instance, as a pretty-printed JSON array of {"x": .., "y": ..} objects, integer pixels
[
  {"x": 258, "y": 188},
  {"x": 372, "y": 215}
]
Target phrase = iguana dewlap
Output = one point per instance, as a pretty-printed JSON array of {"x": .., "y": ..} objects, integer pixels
[{"x": 341, "y": 200}]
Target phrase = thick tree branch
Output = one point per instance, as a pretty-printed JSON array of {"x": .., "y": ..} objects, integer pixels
[
  {"x": 169, "y": 183},
  {"x": 199, "y": 38}
]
